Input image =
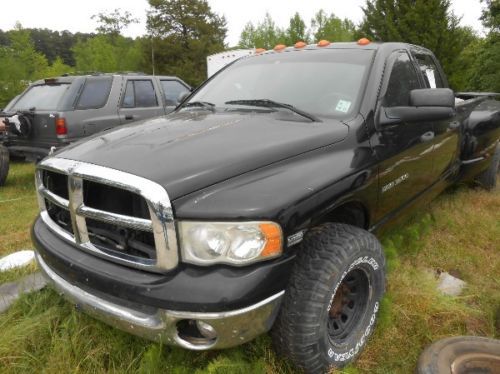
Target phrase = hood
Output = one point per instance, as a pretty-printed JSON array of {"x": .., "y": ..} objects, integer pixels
[{"x": 190, "y": 150}]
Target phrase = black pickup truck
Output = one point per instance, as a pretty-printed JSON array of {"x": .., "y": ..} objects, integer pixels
[{"x": 256, "y": 203}]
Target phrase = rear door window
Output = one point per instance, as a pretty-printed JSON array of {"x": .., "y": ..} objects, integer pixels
[
  {"x": 402, "y": 80},
  {"x": 172, "y": 90},
  {"x": 429, "y": 70},
  {"x": 95, "y": 93},
  {"x": 41, "y": 97},
  {"x": 139, "y": 94},
  {"x": 129, "y": 97}
]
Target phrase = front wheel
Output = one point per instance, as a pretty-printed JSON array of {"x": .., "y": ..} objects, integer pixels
[
  {"x": 488, "y": 178},
  {"x": 332, "y": 299}
]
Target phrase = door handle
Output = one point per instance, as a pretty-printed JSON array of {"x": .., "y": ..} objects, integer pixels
[
  {"x": 129, "y": 117},
  {"x": 429, "y": 135},
  {"x": 454, "y": 125}
]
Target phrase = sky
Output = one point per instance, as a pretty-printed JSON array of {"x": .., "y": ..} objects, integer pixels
[{"x": 74, "y": 15}]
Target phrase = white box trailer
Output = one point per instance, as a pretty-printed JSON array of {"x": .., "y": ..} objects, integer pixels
[{"x": 219, "y": 60}]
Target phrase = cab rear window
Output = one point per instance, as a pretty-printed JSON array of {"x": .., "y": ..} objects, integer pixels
[{"x": 41, "y": 97}]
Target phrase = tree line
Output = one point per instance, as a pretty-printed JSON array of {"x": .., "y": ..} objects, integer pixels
[{"x": 181, "y": 33}]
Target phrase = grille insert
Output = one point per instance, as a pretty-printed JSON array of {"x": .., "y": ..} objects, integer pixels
[
  {"x": 112, "y": 214},
  {"x": 121, "y": 240}
]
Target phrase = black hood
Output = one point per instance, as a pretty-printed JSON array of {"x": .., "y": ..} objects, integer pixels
[{"x": 190, "y": 150}]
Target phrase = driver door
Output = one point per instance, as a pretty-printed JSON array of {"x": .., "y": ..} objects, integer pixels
[{"x": 404, "y": 148}]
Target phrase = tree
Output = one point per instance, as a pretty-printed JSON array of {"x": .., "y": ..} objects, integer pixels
[
  {"x": 464, "y": 63},
  {"x": 183, "y": 33},
  {"x": 109, "y": 51},
  {"x": 20, "y": 63},
  {"x": 264, "y": 35},
  {"x": 112, "y": 23},
  {"x": 484, "y": 73},
  {"x": 297, "y": 30},
  {"x": 105, "y": 53},
  {"x": 491, "y": 15},
  {"x": 429, "y": 23},
  {"x": 57, "y": 68},
  {"x": 50, "y": 43},
  {"x": 332, "y": 28}
]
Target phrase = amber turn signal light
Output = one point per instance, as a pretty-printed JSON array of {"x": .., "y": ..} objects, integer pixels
[
  {"x": 323, "y": 43},
  {"x": 273, "y": 235},
  {"x": 364, "y": 41}
]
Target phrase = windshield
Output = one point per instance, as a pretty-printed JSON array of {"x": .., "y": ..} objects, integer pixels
[
  {"x": 322, "y": 82},
  {"x": 41, "y": 97}
]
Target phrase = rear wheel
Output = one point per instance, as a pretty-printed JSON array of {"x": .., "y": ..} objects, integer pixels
[
  {"x": 488, "y": 178},
  {"x": 330, "y": 305},
  {"x": 4, "y": 164}
]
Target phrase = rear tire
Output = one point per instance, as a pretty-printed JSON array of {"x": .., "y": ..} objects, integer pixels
[
  {"x": 4, "y": 164},
  {"x": 488, "y": 178},
  {"x": 332, "y": 299}
]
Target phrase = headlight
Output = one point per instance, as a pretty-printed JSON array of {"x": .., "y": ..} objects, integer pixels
[{"x": 206, "y": 243}]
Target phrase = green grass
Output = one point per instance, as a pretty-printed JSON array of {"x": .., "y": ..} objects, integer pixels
[{"x": 458, "y": 233}]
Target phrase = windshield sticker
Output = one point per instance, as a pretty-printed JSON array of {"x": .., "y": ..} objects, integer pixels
[{"x": 343, "y": 106}]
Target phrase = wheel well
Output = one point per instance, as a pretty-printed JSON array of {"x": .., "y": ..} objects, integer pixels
[{"x": 352, "y": 213}]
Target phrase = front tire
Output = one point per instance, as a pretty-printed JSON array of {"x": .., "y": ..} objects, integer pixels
[
  {"x": 332, "y": 299},
  {"x": 488, "y": 178}
]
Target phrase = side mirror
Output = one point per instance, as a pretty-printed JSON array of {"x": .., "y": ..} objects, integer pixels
[
  {"x": 428, "y": 104},
  {"x": 432, "y": 97},
  {"x": 183, "y": 96}
]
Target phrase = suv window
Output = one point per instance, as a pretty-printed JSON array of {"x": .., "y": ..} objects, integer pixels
[
  {"x": 403, "y": 79},
  {"x": 41, "y": 97},
  {"x": 172, "y": 90},
  {"x": 429, "y": 70},
  {"x": 139, "y": 94},
  {"x": 95, "y": 93}
]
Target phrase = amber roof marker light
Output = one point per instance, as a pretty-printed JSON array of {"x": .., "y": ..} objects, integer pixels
[
  {"x": 279, "y": 47},
  {"x": 323, "y": 43},
  {"x": 364, "y": 41},
  {"x": 300, "y": 44},
  {"x": 260, "y": 50}
]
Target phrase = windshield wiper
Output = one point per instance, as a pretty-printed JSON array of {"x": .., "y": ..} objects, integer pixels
[
  {"x": 273, "y": 104},
  {"x": 203, "y": 104}
]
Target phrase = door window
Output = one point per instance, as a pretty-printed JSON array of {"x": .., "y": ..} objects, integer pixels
[
  {"x": 172, "y": 90},
  {"x": 402, "y": 80},
  {"x": 429, "y": 70},
  {"x": 139, "y": 94}
]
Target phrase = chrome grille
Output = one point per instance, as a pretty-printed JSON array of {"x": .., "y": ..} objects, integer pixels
[{"x": 77, "y": 175}]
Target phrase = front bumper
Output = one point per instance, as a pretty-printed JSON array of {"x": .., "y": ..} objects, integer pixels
[{"x": 232, "y": 327}]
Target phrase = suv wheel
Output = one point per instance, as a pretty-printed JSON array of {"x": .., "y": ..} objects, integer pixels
[
  {"x": 332, "y": 299},
  {"x": 4, "y": 164}
]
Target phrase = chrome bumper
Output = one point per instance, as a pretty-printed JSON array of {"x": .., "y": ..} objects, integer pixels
[{"x": 232, "y": 327}]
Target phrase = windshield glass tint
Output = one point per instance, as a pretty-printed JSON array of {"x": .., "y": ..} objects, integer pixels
[
  {"x": 42, "y": 97},
  {"x": 322, "y": 82}
]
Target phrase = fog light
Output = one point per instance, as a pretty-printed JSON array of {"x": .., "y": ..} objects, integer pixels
[
  {"x": 206, "y": 330},
  {"x": 196, "y": 333}
]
